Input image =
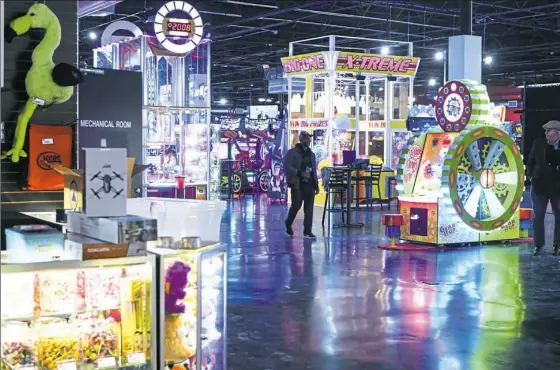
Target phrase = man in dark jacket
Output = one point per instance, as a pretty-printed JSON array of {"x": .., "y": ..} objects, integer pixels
[
  {"x": 543, "y": 170},
  {"x": 300, "y": 165}
]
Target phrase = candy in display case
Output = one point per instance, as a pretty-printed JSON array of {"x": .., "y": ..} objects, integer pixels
[
  {"x": 78, "y": 315},
  {"x": 192, "y": 296}
]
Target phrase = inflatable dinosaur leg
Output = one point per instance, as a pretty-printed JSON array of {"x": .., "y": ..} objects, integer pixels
[{"x": 21, "y": 130}]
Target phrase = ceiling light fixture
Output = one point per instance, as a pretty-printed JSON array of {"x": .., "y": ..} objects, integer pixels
[
  {"x": 385, "y": 50},
  {"x": 439, "y": 55},
  {"x": 432, "y": 82},
  {"x": 488, "y": 60},
  {"x": 92, "y": 35}
]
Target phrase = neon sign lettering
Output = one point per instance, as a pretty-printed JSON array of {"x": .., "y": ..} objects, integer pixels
[
  {"x": 372, "y": 63},
  {"x": 304, "y": 64}
]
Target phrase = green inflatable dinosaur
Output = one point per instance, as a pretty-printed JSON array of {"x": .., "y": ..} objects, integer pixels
[{"x": 45, "y": 83}]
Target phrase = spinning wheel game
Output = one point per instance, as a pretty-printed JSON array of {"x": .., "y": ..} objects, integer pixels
[{"x": 461, "y": 182}]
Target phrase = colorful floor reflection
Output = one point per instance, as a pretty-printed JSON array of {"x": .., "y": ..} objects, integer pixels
[{"x": 342, "y": 303}]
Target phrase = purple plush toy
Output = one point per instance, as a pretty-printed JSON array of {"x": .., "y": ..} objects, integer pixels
[{"x": 176, "y": 280}]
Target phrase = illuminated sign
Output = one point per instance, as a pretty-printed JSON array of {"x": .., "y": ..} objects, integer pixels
[
  {"x": 378, "y": 64},
  {"x": 309, "y": 124},
  {"x": 304, "y": 63},
  {"x": 372, "y": 125},
  {"x": 181, "y": 33}
]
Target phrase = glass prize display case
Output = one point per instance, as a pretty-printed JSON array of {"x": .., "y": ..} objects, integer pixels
[
  {"x": 78, "y": 315},
  {"x": 178, "y": 136},
  {"x": 192, "y": 308}
]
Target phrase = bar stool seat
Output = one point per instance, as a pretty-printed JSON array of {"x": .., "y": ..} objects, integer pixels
[
  {"x": 371, "y": 177},
  {"x": 335, "y": 184}
]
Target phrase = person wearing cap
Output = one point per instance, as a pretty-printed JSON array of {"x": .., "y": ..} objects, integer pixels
[
  {"x": 300, "y": 166},
  {"x": 543, "y": 172}
]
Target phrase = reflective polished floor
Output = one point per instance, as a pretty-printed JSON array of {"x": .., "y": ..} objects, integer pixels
[{"x": 342, "y": 303}]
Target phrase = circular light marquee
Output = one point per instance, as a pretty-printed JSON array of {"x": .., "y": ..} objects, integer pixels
[
  {"x": 169, "y": 44},
  {"x": 461, "y": 103}
]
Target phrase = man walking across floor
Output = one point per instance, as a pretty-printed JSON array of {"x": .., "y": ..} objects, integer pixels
[
  {"x": 300, "y": 165},
  {"x": 543, "y": 170}
]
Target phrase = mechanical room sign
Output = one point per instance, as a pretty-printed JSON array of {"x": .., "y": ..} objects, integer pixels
[{"x": 110, "y": 114}]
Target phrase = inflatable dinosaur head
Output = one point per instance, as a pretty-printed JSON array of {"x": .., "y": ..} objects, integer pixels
[{"x": 38, "y": 16}]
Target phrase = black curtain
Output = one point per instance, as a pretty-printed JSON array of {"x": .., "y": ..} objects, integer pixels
[{"x": 541, "y": 104}]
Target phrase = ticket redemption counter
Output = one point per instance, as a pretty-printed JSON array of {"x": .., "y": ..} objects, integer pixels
[{"x": 344, "y": 89}]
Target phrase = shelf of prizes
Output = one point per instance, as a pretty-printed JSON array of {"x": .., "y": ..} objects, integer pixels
[{"x": 161, "y": 310}]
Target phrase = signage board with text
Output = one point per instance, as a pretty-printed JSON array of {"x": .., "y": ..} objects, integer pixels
[
  {"x": 341, "y": 61},
  {"x": 309, "y": 123},
  {"x": 304, "y": 63},
  {"x": 377, "y": 64}
]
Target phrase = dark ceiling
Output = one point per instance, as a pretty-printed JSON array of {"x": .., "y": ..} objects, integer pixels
[{"x": 523, "y": 37}]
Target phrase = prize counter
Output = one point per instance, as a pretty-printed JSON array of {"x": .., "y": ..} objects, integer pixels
[
  {"x": 125, "y": 313},
  {"x": 79, "y": 314}
]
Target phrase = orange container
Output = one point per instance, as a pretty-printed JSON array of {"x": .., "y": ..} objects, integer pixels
[{"x": 48, "y": 145}]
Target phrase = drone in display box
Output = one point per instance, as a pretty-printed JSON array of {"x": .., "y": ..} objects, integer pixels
[
  {"x": 461, "y": 181},
  {"x": 107, "y": 184}
]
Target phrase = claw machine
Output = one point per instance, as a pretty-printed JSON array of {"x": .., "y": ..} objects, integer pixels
[
  {"x": 357, "y": 95},
  {"x": 181, "y": 145},
  {"x": 192, "y": 308}
]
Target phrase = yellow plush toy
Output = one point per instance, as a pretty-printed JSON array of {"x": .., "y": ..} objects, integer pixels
[{"x": 176, "y": 342}]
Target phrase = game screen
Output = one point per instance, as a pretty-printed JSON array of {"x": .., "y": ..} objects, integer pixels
[
  {"x": 428, "y": 180},
  {"x": 261, "y": 125},
  {"x": 263, "y": 111}
]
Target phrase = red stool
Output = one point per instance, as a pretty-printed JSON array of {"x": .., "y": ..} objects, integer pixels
[{"x": 393, "y": 223}]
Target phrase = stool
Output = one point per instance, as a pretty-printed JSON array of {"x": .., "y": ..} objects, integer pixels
[
  {"x": 525, "y": 222},
  {"x": 334, "y": 182},
  {"x": 393, "y": 223},
  {"x": 370, "y": 177}
]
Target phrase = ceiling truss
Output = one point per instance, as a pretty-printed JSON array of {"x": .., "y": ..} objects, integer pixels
[{"x": 522, "y": 36}]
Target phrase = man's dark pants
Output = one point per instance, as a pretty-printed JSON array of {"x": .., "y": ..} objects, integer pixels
[
  {"x": 305, "y": 195},
  {"x": 540, "y": 202}
]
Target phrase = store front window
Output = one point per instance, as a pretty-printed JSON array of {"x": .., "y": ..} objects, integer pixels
[
  {"x": 376, "y": 100},
  {"x": 401, "y": 98}
]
